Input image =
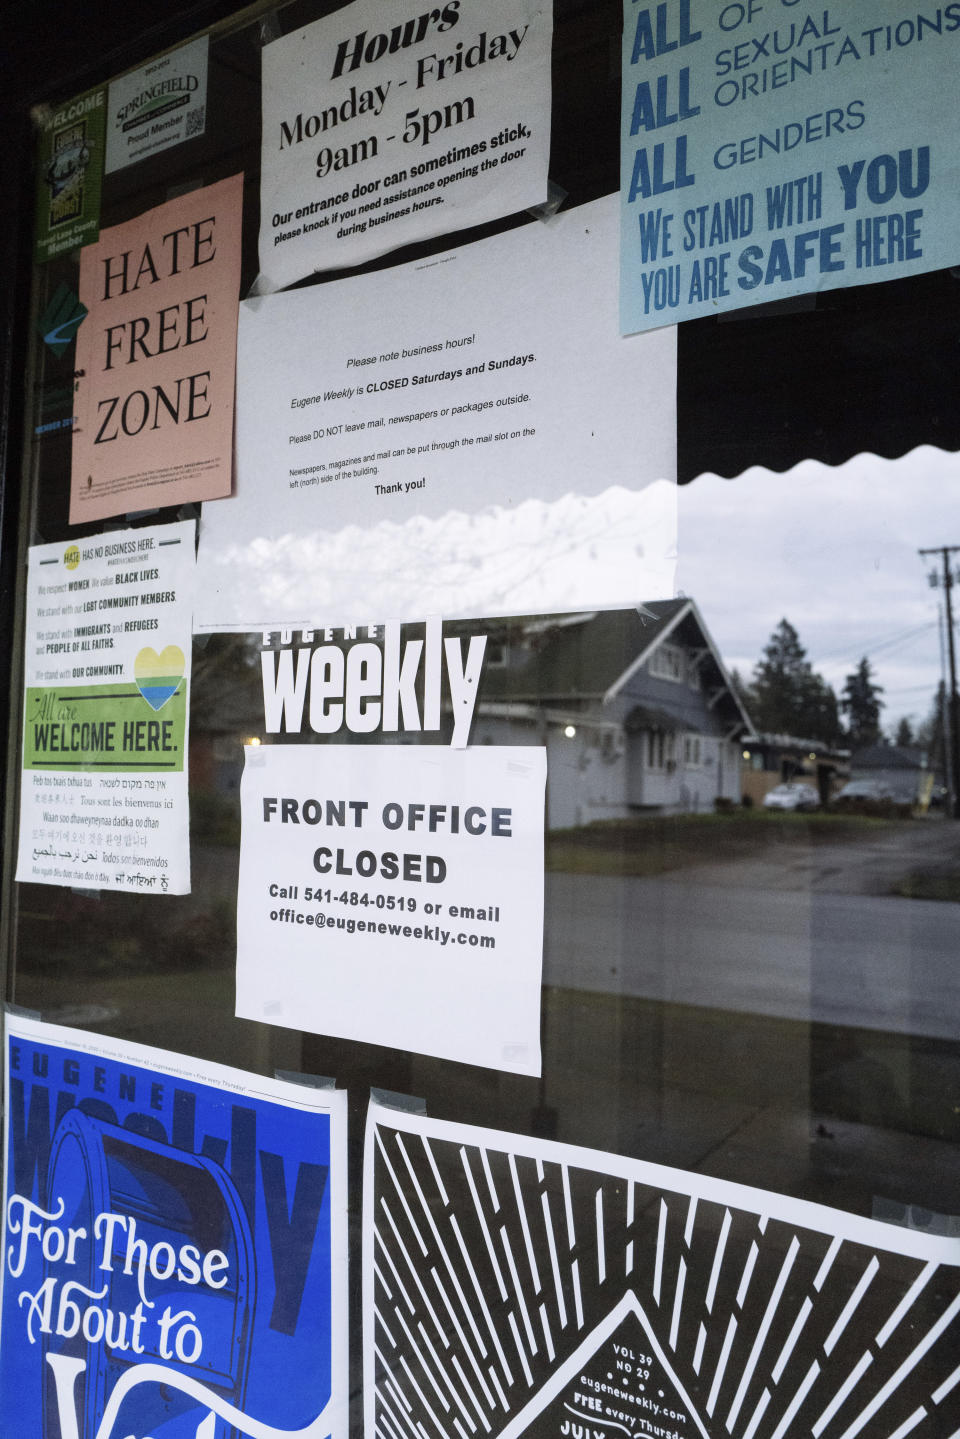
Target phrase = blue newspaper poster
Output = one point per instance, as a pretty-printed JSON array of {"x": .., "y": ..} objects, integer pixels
[
  {"x": 773, "y": 148},
  {"x": 174, "y": 1261}
]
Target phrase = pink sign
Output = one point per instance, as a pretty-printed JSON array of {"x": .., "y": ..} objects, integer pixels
[{"x": 153, "y": 415}]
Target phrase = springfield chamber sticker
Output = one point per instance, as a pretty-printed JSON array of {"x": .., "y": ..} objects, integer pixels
[
  {"x": 382, "y": 127},
  {"x": 70, "y": 160},
  {"x": 540, "y": 1289},
  {"x": 173, "y": 1246},
  {"x": 157, "y": 106},
  {"x": 770, "y": 148},
  {"x": 104, "y": 800},
  {"x": 467, "y": 426},
  {"x": 398, "y": 891},
  {"x": 157, "y": 355}
]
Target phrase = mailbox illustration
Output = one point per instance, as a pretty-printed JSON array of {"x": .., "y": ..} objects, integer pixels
[{"x": 162, "y": 1273}]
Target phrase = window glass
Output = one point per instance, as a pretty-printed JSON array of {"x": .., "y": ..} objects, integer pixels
[{"x": 751, "y": 860}]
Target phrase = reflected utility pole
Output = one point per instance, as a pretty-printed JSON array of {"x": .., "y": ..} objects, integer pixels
[{"x": 953, "y": 739}]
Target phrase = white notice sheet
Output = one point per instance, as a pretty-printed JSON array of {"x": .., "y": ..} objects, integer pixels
[
  {"x": 467, "y": 436},
  {"x": 381, "y": 128},
  {"x": 394, "y": 895}
]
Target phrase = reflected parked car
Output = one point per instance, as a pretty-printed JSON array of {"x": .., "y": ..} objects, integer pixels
[
  {"x": 792, "y": 796},
  {"x": 864, "y": 791}
]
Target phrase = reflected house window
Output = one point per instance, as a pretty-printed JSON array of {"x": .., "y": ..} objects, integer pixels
[
  {"x": 668, "y": 662},
  {"x": 692, "y": 750},
  {"x": 660, "y": 749}
]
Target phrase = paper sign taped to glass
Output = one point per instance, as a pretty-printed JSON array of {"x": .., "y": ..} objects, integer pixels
[
  {"x": 383, "y": 128},
  {"x": 156, "y": 356},
  {"x": 158, "y": 106},
  {"x": 174, "y": 1259},
  {"x": 104, "y": 800},
  {"x": 463, "y": 436},
  {"x": 398, "y": 891},
  {"x": 774, "y": 149},
  {"x": 557, "y": 1292}
]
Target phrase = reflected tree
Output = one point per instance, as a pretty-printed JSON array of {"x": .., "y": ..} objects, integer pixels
[
  {"x": 861, "y": 703},
  {"x": 788, "y": 696}
]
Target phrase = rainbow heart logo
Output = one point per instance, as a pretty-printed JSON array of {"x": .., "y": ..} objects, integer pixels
[{"x": 158, "y": 676}]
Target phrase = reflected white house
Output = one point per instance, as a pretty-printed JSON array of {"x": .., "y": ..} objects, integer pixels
[{"x": 635, "y": 707}]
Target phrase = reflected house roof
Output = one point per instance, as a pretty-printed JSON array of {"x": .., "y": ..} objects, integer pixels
[
  {"x": 889, "y": 756},
  {"x": 802, "y": 745},
  {"x": 597, "y": 656},
  {"x": 576, "y": 656}
]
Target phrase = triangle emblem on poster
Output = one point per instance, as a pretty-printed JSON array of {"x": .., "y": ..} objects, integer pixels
[{"x": 620, "y": 1354}]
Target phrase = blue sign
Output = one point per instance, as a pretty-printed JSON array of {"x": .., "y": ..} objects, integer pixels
[
  {"x": 173, "y": 1247},
  {"x": 776, "y": 147}
]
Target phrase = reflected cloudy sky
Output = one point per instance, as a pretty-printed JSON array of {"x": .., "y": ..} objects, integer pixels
[
  {"x": 835, "y": 551},
  {"x": 579, "y": 552}
]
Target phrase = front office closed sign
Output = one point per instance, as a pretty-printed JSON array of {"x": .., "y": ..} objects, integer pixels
[{"x": 398, "y": 891}]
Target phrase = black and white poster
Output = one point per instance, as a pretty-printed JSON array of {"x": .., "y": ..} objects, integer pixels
[{"x": 517, "y": 1286}]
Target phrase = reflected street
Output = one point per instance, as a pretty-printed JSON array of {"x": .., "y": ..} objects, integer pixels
[{"x": 868, "y": 961}]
